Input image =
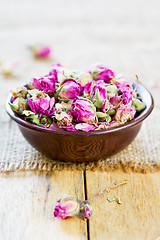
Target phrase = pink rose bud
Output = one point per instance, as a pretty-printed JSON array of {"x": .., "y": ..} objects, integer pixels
[
  {"x": 86, "y": 210},
  {"x": 124, "y": 113},
  {"x": 56, "y": 69},
  {"x": 115, "y": 100},
  {"x": 89, "y": 86},
  {"x": 63, "y": 118},
  {"x": 70, "y": 89},
  {"x": 126, "y": 93},
  {"x": 41, "y": 103},
  {"x": 101, "y": 72},
  {"x": 41, "y": 51},
  {"x": 83, "y": 110},
  {"x": 122, "y": 81},
  {"x": 87, "y": 89},
  {"x": 98, "y": 96},
  {"x": 67, "y": 207},
  {"x": 45, "y": 84}
]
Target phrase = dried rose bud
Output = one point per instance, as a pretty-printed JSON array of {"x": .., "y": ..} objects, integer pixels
[
  {"x": 69, "y": 89},
  {"x": 19, "y": 104},
  {"x": 127, "y": 93},
  {"x": 45, "y": 84},
  {"x": 9, "y": 69},
  {"x": 41, "y": 51},
  {"x": 87, "y": 89},
  {"x": 98, "y": 96},
  {"x": 84, "y": 78},
  {"x": 59, "y": 107},
  {"x": 20, "y": 92},
  {"x": 56, "y": 68},
  {"x": 85, "y": 210},
  {"x": 41, "y": 103},
  {"x": 59, "y": 71},
  {"x": 101, "y": 72},
  {"x": 62, "y": 114},
  {"x": 89, "y": 86},
  {"x": 83, "y": 110},
  {"x": 124, "y": 113},
  {"x": 115, "y": 100},
  {"x": 63, "y": 119},
  {"x": 122, "y": 81},
  {"x": 67, "y": 207}
]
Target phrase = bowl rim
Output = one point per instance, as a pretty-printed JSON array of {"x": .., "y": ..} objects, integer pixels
[{"x": 144, "y": 114}]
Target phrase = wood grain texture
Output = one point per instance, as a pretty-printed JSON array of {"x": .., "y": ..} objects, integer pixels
[
  {"x": 27, "y": 202},
  {"x": 137, "y": 218}
]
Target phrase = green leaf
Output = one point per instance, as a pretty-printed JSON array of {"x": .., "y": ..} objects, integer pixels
[
  {"x": 111, "y": 112},
  {"x": 63, "y": 100},
  {"x": 108, "y": 118},
  {"x": 35, "y": 119},
  {"x": 97, "y": 99},
  {"x": 22, "y": 103},
  {"x": 15, "y": 108},
  {"x": 140, "y": 106},
  {"x": 111, "y": 199},
  {"x": 101, "y": 114},
  {"x": 91, "y": 93}
]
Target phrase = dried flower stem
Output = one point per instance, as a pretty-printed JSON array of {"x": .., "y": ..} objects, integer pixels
[
  {"x": 107, "y": 190},
  {"x": 136, "y": 83}
]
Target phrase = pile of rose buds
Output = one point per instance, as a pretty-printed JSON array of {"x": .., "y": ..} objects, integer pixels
[{"x": 73, "y": 100}]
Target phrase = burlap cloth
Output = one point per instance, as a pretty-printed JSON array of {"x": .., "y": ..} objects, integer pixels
[{"x": 142, "y": 155}]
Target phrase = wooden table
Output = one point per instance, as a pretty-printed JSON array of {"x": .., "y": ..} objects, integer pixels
[
  {"x": 27, "y": 200},
  {"x": 122, "y": 33}
]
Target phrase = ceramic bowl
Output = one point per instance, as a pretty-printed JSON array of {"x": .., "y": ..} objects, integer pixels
[{"x": 83, "y": 146}]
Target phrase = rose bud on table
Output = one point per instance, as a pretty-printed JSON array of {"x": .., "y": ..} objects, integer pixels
[
  {"x": 67, "y": 207},
  {"x": 41, "y": 51},
  {"x": 85, "y": 210}
]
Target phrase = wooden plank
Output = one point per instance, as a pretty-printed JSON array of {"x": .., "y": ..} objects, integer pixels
[
  {"x": 138, "y": 217},
  {"x": 26, "y": 206}
]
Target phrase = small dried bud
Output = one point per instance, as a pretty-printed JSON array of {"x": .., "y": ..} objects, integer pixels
[
  {"x": 66, "y": 207},
  {"x": 85, "y": 210}
]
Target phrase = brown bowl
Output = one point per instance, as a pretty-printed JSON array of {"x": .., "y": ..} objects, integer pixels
[{"x": 83, "y": 146}]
